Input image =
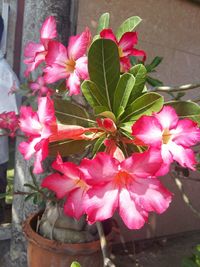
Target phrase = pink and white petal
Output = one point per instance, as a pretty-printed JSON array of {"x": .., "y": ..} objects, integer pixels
[
  {"x": 139, "y": 53},
  {"x": 59, "y": 184},
  {"x": 48, "y": 29},
  {"x": 150, "y": 195},
  {"x": 73, "y": 83},
  {"x": 29, "y": 122},
  {"x": 57, "y": 54},
  {"x": 108, "y": 34},
  {"x": 32, "y": 48},
  {"x": 167, "y": 117},
  {"x": 39, "y": 157},
  {"x": 132, "y": 215},
  {"x": 125, "y": 64},
  {"x": 149, "y": 130},
  {"x": 75, "y": 204},
  {"x": 81, "y": 68},
  {"x": 143, "y": 164},
  {"x": 46, "y": 111},
  {"x": 101, "y": 203},
  {"x": 184, "y": 156},
  {"x": 127, "y": 41},
  {"x": 78, "y": 44},
  {"x": 102, "y": 168},
  {"x": 27, "y": 149},
  {"x": 54, "y": 73},
  {"x": 187, "y": 133}
]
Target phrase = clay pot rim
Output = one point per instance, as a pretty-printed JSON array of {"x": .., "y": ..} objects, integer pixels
[{"x": 49, "y": 244}]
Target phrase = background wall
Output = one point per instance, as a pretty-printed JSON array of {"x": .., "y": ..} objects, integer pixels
[{"x": 169, "y": 29}]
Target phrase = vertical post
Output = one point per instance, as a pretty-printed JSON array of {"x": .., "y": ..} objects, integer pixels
[{"x": 5, "y": 16}]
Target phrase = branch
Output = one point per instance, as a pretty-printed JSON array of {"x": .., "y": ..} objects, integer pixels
[{"x": 171, "y": 89}]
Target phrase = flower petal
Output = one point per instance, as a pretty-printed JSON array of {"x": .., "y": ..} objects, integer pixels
[
  {"x": 102, "y": 202},
  {"x": 48, "y": 29},
  {"x": 108, "y": 34},
  {"x": 127, "y": 42},
  {"x": 167, "y": 117},
  {"x": 81, "y": 68},
  {"x": 132, "y": 215},
  {"x": 73, "y": 83},
  {"x": 78, "y": 44},
  {"x": 149, "y": 130}
]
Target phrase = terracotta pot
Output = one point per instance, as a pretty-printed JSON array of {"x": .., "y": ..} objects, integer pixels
[{"x": 42, "y": 252}]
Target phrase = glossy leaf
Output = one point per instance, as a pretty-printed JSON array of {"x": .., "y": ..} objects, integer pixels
[
  {"x": 144, "y": 105},
  {"x": 93, "y": 94},
  {"x": 103, "y": 22},
  {"x": 122, "y": 93},
  {"x": 155, "y": 62},
  {"x": 104, "y": 67},
  {"x": 186, "y": 109},
  {"x": 69, "y": 113},
  {"x": 128, "y": 26},
  {"x": 139, "y": 72},
  {"x": 68, "y": 147}
]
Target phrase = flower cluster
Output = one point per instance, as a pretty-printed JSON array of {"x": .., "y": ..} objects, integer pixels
[{"x": 130, "y": 137}]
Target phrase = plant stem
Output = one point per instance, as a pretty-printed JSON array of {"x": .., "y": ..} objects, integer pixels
[{"x": 170, "y": 89}]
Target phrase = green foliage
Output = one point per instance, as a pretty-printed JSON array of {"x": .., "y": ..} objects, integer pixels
[
  {"x": 154, "y": 82},
  {"x": 139, "y": 72},
  {"x": 144, "y": 105},
  {"x": 75, "y": 264},
  {"x": 128, "y": 26},
  {"x": 104, "y": 67},
  {"x": 103, "y": 22},
  {"x": 186, "y": 109},
  {"x": 194, "y": 260},
  {"x": 155, "y": 62},
  {"x": 122, "y": 93},
  {"x": 69, "y": 113}
]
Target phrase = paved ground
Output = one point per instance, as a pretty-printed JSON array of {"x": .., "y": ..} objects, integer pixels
[{"x": 154, "y": 253}]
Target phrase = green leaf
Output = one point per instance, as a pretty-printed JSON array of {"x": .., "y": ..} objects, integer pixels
[
  {"x": 92, "y": 94},
  {"x": 155, "y": 62},
  {"x": 98, "y": 145},
  {"x": 108, "y": 114},
  {"x": 75, "y": 264},
  {"x": 68, "y": 147},
  {"x": 104, "y": 67},
  {"x": 100, "y": 109},
  {"x": 128, "y": 26},
  {"x": 154, "y": 82},
  {"x": 144, "y": 105},
  {"x": 186, "y": 109},
  {"x": 103, "y": 22},
  {"x": 139, "y": 72},
  {"x": 122, "y": 92},
  {"x": 188, "y": 263},
  {"x": 69, "y": 113}
]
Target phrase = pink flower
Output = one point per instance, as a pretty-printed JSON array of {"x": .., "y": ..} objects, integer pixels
[
  {"x": 38, "y": 127},
  {"x": 9, "y": 121},
  {"x": 125, "y": 47},
  {"x": 39, "y": 87},
  {"x": 68, "y": 63},
  {"x": 69, "y": 183},
  {"x": 126, "y": 185},
  {"x": 172, "y": 136},
  {"x": 35, "y": 52}
]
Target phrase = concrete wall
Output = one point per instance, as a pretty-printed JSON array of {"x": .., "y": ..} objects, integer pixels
[{"x": 169, "y": 29}]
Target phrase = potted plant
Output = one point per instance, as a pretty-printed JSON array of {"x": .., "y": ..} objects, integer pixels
[{"x": 108, "y": 136}]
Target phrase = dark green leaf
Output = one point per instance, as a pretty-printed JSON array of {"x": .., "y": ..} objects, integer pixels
[
  {"x": 93, "y": 94},
  {"x": 186, "y": 109},
  {"x": 32, "y": 187},
  {"x": 68, "y": 147},
  {"x": 100, "y": 109},
  {"x": 188, "y": 263},
  {"x": 29, "y": 196},
  {"x": 122, "y": 92},
  {"x": 128, "y": 26},
  {"x": 104, "y": 67},
  {"x": 69, "y": 113},
  {"x": 155, "y": 62},
  {"x": 98, "y": 145},
  {"x": 144, "y": 105},
  {"x": 154, "y": 82},
  {"x": 139, "y": 72},
  {"x": 103, "y": 22}
]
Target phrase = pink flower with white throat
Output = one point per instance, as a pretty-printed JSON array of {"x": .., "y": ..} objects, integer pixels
[
  {"x": 129, "y": 186},
  {"x": 68, "y": 63},
  {"x": 39, "y": 87},
  {"x": 125, "y": 47},
  {"x": 35, "y": 52},
  {"x": 38, "y": 127},
  {"x": 70, "y": 183},
  {"x": 172, "y": 136}
]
